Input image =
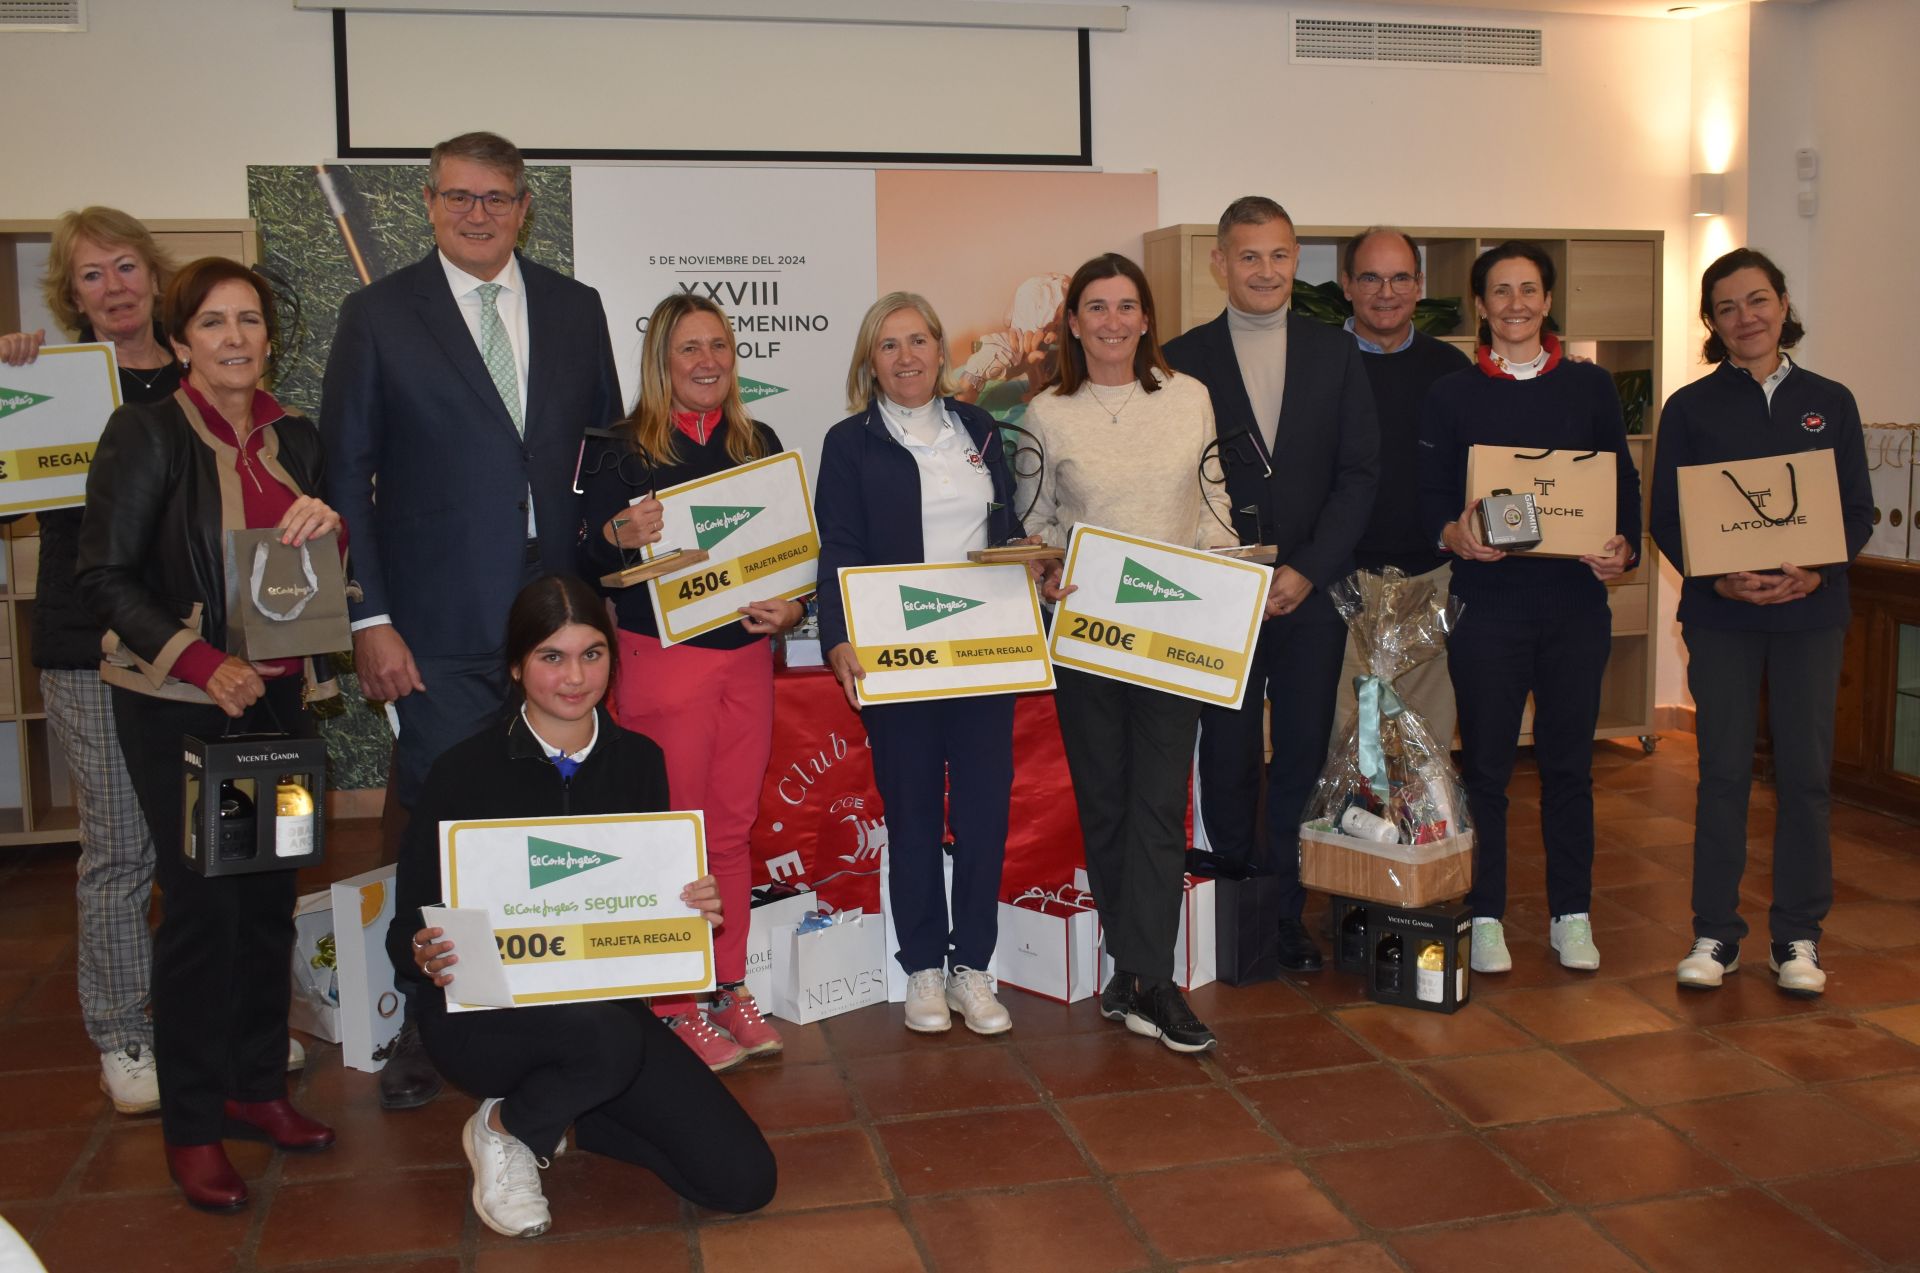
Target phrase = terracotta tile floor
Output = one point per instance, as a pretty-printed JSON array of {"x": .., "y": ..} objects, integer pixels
[{"x": 1560, "y": 1121}]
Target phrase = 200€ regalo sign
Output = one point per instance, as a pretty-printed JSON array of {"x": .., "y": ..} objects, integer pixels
[
  {"x": 945, "y": 631},
  {"x": 756, "y": 524},
  {"x": 51, "y": 413},
  {"x": 585, "y": 907},
  {"x": 1155, "y": 614}
]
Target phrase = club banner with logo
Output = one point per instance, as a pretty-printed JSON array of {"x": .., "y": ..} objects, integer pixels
[
  {"x": 1575, "y": 492},
  {"x": 585, "y": 907},
  {"x": 756, "y": 524},
  {"x": 945, "y": 631},
  {"x": 1155, "y": 614},
  {"x": 51, "y": 413}
]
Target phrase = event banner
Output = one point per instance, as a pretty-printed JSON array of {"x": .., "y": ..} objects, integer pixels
[
  {"x": 756, "y": 524},
  {"x": 51, "y": 413},
  {"x": 786, "y": 252},
  {"x": 585, "y": 907},
  {"x": 945, "y": 631},
  {"x": 1153, "y": 614}
]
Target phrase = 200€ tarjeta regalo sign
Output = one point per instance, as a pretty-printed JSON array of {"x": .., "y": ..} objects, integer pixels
[
  {"x": 1155, "y": 614},
  {"x": 945, "y": 631},
  {"x": 585, "y": 907},
  {"x": 51, "y": 413},
  {"x": 756, "y": 524}
]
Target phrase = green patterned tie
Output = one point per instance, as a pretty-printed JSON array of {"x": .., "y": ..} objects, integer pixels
[{"x": 497, "y": 352}]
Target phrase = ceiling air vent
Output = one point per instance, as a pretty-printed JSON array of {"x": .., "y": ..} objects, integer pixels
[
  {"x": 43, "y": 15},
  {"x": 1420, "y": 43}
]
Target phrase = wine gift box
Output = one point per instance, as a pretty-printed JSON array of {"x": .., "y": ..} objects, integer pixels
[
  {"x": 1412, "y": 958},
  {"x": 253, "y": 802}
]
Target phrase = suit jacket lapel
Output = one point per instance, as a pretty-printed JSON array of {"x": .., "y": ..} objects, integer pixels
[
  {"x": 440, "y": 314},
  {"x": 542, "y": 321}
]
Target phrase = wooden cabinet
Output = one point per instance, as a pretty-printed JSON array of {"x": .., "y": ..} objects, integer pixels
[
  {"x": 1876, "y": 744},
  {"x": 1607, "y": 308}
]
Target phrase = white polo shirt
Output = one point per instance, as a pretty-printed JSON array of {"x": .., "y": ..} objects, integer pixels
[{"x": 956, "y": 492}]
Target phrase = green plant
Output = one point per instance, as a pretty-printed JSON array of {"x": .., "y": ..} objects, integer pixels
[{"x": 1327, "y": 303}]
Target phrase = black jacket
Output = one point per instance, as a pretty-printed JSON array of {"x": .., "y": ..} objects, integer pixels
[
  {"x": 1326, "y": 454},
  {"x": 162, "y": 492},
  {"x": 866, "y": 501},
  {"x": 501, "y": 772}
]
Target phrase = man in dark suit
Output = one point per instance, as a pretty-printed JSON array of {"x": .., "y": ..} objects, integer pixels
[
  {"x": 452, "y": 410},
  {"x": 1300, "y": 448}
]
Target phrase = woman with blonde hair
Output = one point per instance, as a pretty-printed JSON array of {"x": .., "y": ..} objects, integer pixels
[{"x": 708, "y": 701}]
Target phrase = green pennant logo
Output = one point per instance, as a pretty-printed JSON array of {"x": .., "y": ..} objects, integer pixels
[
  {"x": 714, "y": 522},
  {"x": 754, "y": 390},
  {"x": 549, "y": 860},
  {"x": 920, "y": 607},
  {"x": 12, "y": 400},
  {"x": 1137, "y": 583}
]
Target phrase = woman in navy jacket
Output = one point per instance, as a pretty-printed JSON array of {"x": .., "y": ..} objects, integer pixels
[
  {"x": 913, "y": 476},
  {"x": 1786, "y": 629}
]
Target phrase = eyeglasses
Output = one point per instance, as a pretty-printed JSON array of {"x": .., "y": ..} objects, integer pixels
[
  {"x": 460, "y": 202},
  {"x": 1371, "y": 282}
]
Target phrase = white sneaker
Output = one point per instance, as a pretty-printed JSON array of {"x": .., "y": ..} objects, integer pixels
[
  {"x": 1490, "y": 947},
  {"x": 506, "y": 1178},
  {"x": 970, "y": 993},
  {"x": 927, "y": 1002},
  {"x": 1707, "y": 963},
  {"x": 1572, "y": 936},
  {"x": 129, "y": 1079},
  {"x": 1797, "y": 965},
  {"x": 296, "y": 1055}
]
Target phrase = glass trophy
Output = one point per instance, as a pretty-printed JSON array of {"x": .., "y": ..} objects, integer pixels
[
  {"x": 1027, "y": 459},
  {"x": 637, "y": 470}
]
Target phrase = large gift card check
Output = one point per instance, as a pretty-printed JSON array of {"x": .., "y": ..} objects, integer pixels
[
  {"x": 945, "y": 631},
  {"x": 1153, "y": 614},
  {"x": 51, "y": 413},
  {"x": 585, "y": 907},
  {"x": 756, "y": 523}
]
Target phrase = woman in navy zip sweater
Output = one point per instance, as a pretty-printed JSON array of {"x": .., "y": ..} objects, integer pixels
[
  {"x": 1529, "y": 624},
  {"x": 1786, "y": 629},
  {"x": 912, "y": 477}
]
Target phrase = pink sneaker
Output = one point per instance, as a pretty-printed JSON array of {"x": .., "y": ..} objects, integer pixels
[
  {"x": 735, "y": 1012},
  {"x": 712, "y": 1047}
]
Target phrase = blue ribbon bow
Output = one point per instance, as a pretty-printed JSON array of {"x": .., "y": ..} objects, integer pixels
[{"x": 1377, "y": 701}]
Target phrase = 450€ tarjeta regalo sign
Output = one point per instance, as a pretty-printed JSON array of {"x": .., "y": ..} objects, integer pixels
[
  {"x": 51, "y": 413},
  {"x": 585, "y": 907},
  {"x": 1155, "y": 614},
  {"x": 756, "y": 523},
  {"x": 945, "y": 631}
]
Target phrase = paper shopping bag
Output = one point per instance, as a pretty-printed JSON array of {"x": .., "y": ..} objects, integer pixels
[
  {"x": 1756, "y": 514},
  {"x": 781, "y": 906},
  {"x": 828, "y": 971},
  {"x": 315, "y": 1006},
  {"x": 1574, "y": 491},
  {"x": 1052, "y": 952},
  {"x": 370, "y": 1014},
  {"x": 1890, "y": 472},
  {"x": 284, "y": 602}
]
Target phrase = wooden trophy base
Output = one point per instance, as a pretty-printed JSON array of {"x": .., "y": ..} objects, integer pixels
[
  {"x": 664, "y": 564},
  {"x": 1264, "y": 554},
  {"x": 1017, "y": 552}
]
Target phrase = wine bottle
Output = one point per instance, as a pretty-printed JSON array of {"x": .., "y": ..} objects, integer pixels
[
  {"x": 293, "y": 818},
  {"x": 234, "y": 838},
  {"x": 1353, "y": 937},
  {"x": 1430, "y": 978},
  {"x": 1388, "y": 958}
]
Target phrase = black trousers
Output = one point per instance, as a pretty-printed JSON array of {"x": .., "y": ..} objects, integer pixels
[
  {"x": 1129, "y": 750},
  {"x": 1297, "y": 668},
  {"x": 1495, "y": 663},
  {"x": 918, "y": 750},
  {"x": 220, "y": 985},
  {"x": 1801, "y": 671},
  {"x": 614, "y": 1072}
]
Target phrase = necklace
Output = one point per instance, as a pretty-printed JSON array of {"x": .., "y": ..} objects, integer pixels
[
  {"x": 1113, "y": 413},
  {"x": 147, "y": 380}
]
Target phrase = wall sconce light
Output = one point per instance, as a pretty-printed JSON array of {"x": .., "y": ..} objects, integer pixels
[{"x": 1709, "y": 194}]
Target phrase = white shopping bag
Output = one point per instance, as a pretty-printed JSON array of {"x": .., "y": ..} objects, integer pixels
[
  {"x": 1054, "y": 953},
  {"x": 828, "y": 971},
  {"x": 1195, "y": 961},
  {"x": 767, "y": 916},
  {"x": 896, "y": 975},
  {"x": 370, "y": 1013},
  {"x": 315, "y": 1007}
]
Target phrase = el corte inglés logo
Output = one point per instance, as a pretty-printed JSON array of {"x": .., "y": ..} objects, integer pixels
[
  {"x": 753, "y": 390},
  {"x": 12, "y": 400},
  {"x": 549, "y": 860},
  {"x": 1137, "y": 583},
  {"x": 920, "y": 607},
  {"x": 714, "y": 522}
]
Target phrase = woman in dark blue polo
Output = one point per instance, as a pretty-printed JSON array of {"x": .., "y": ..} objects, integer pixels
[{"x": 913, "y": 476}]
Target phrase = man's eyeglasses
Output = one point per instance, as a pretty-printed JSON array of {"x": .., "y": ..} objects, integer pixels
[
  {"x": 460, "y": 202},
  {"x": 1402, "y": 283}
]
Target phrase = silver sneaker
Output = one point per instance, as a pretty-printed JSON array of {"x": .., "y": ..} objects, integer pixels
[
  {"x": 970, "y": 993},
  {"x": 506, "y": 1178},
  {"x": 1572, "y": 936},
  {"x": 129, "y": 1079},
  {"x": 1490, "y": 947},
  {"x": 927, "y": 1002}
]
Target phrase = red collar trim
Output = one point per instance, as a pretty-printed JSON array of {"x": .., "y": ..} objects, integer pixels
[
  {"x": 1483, "y": 356},
  {"x": 696, "y": 424},
  {"x": 265, "y": 410}
]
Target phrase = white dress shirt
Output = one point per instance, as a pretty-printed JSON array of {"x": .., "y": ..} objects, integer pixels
[{"x": 956, "y": 491}]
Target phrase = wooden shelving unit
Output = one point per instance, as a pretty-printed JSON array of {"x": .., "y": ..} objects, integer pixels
[
  {"x": 1606, "y": 307},
  {"x": 36, "y": 792}
]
